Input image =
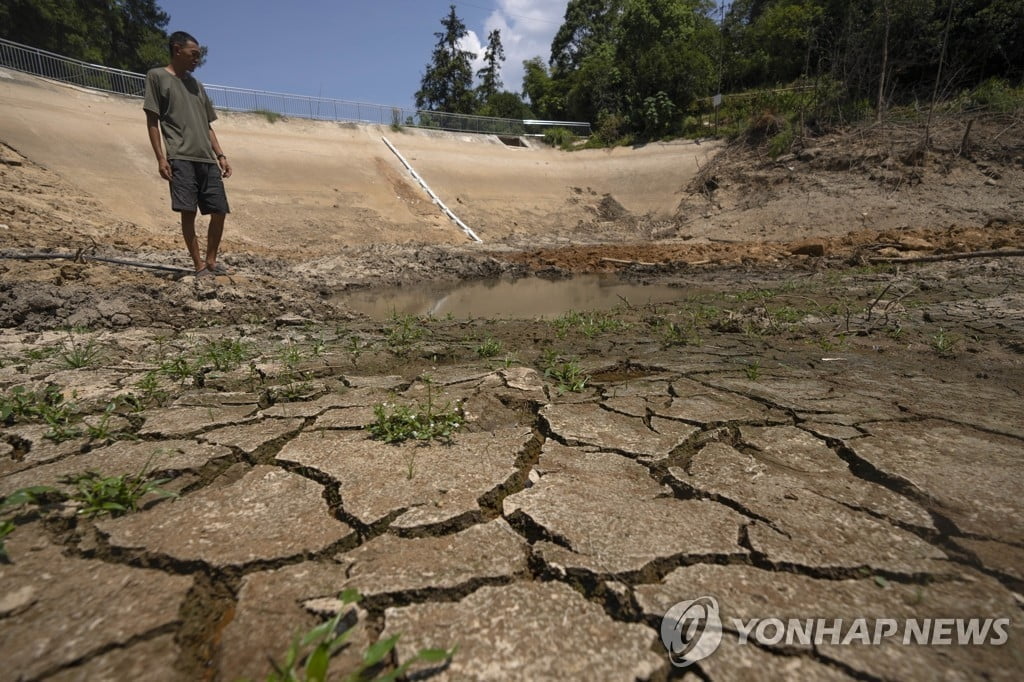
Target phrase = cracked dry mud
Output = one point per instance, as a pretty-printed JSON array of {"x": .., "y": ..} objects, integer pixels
[
  {"x": 550, "y": 536},
  {"x": 802, "y": 434}
]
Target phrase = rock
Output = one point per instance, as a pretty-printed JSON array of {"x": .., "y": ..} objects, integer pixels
[{"x": 528, "y": 631}]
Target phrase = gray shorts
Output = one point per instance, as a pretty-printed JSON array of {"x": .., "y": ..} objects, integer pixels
[{"x": 194, "y": 183}]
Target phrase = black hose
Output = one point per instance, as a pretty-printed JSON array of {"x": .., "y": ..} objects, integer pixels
[{"x": 102, "y": 259}]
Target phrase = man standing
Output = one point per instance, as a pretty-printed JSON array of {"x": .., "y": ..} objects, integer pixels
[{"x": 176, "y": 103}]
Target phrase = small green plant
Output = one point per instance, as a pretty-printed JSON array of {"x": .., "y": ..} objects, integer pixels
[
  {"x": 114, "y": 495},
  {"x": 30, "y": 495},
  {"x": 308, "y": 658},
  {"x": 290, "y": 354},
  {"x": 404, "y": 331},
  {"x": 46, "y": 405},
  {"x": 355, "y": 348},
  {"x": 943, "y": 342},
  {"x": 178, "y": 368},
  {"x": 6, "y": 528},
  {"x": 753, "y": 370},
  {"x": 36, "y": 354},
  {"x": 489, "y": 348},
  {"x": 674, "y": 334},
  {"x": 271, "y": 116},
  {"x": 149, "y": 385},
  {"x": 225, "y": 354},
  {"x": 567, "y": 375},
  {"x": 424, "y": 421},
  {"x": 77, "y": 355},
  {"x": 590, "y": 325}
]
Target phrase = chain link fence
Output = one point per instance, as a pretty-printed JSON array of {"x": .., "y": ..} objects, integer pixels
[{"x": 56, "y": 67}]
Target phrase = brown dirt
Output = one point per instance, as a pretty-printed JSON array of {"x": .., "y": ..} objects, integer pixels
[{"x": 785, "y": 316}]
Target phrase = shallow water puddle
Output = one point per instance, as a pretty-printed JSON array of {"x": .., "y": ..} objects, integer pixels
[{"x": 525, "y": 298}]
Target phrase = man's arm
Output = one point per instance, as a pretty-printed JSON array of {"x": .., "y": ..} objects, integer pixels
[
  {"x": 153, "y": 127},
  {"x": 225, "y": 167}
]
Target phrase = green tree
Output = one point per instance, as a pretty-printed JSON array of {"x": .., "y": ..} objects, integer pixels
[
  {"x": 505, "y": 104},
  {"x": 539, "y": 90},
  {"x": 588, "y": 24},
  {"x": 125, "y": 34},
  {"x": 490, "y": 74},
  {"x": 447, "y": 85}
]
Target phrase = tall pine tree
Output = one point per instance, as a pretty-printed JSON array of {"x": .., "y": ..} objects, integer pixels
[
  {"x": 490, "y": 74},
  {"x": 447, "y": 84}
]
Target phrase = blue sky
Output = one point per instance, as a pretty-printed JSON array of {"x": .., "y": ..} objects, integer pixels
[{"x": 372, "y": 51}]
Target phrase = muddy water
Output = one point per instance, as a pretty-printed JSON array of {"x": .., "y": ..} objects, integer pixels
[{"x": 525, "y": 298}]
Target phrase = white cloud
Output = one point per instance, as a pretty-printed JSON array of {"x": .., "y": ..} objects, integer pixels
[{"x": 527, "y": 29}]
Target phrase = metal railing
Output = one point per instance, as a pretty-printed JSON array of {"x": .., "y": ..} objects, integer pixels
[{"x": 57, "y": 67}]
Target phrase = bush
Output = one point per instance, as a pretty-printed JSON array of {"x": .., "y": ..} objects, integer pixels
[{"x": 559, "y": 137}]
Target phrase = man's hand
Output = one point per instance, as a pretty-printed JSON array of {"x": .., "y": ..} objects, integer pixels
[
  {"x": 225, "y": 167},
  {"x": 165, "y": 169}
]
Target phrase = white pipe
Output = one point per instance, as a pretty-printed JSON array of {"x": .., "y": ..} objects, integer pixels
[{"x": 447, "y": 211}]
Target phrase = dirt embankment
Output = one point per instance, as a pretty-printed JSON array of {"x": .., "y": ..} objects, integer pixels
[{"x": 319, "y": 207}]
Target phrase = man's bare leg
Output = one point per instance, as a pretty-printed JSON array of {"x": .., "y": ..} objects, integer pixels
[
  {"x": 188, "y": 232},
  {"x": 213, "y": 238}
]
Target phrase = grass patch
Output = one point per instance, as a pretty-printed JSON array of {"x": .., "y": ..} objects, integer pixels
[
  {"x": 271, "y": 116},
  {"x": 423, "y": 421}
]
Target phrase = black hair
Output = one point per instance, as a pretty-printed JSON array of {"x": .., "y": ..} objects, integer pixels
[{"x": 179, "y": 38}]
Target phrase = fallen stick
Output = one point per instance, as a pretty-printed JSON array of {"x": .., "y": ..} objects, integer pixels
[
  {"x": 948, "y": 256},
  {"x": 627, "y": 262}
]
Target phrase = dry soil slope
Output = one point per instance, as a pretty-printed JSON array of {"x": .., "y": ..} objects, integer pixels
[{"x": 304, "y": 186}]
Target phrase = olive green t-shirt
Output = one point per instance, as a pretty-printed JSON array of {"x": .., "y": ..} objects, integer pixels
[{"x": 185, "y": 114}]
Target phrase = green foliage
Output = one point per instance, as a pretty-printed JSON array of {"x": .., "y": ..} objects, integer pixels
[
  {"x": 308, "y": 658},
  {"x": 30, "y": 495},
  {"x": 46, "y": 405},
  {"x": 996, "y": 95},
  {"x": 588, "y": 324},
  {"x": 559, "y": 137},
  {"x": 76, "y": 355},
  {"x": 753, "y": 370},
  {"x": 225, "y": 354},
  {"x": 489, "y": 348},
  {"x": 447, "y": 83},
  {"x": 566, "y": 373},
  {"x": 423, "y": 421},
  {"x": 128, "y": 34},
  {"x": 114, "y": 495},
  {"x": 404, "y": 331},
  {"x": 270, "y": 116},
  {"x": 943, "y": 343}
]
